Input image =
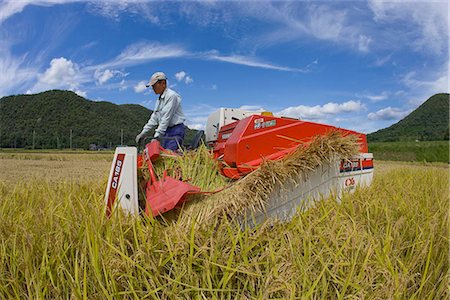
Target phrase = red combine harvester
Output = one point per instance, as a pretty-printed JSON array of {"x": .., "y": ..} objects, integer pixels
[{"x": 241, "y": 141}]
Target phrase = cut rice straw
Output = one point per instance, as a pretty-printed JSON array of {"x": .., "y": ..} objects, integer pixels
[{"x": 252, "y": 191}]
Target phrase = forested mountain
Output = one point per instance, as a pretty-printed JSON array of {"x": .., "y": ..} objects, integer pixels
[
  {"x": 52, "y": 119},
  {"x": 429, "y": 122}
]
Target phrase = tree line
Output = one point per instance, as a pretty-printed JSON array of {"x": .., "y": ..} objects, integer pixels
[{"x": 63, "y": 119}]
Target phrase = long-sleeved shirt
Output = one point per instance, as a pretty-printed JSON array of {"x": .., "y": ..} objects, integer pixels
[{"x": 167, "y": 113}]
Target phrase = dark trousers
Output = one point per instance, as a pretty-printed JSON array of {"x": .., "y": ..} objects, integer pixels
[{"x": 175, "y": 135}]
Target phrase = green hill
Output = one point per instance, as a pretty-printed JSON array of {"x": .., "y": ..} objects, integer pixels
[
  {"x": 429, "y": 122},
  {"x": 51, "y": 118}
]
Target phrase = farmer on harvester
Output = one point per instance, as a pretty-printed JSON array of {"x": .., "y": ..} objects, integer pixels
[{"x": 168, "y": 117}]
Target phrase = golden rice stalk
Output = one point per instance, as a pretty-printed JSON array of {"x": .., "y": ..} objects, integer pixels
[
  {"x": 196, "y": 167},
  {"x": 252, "y": 191}
]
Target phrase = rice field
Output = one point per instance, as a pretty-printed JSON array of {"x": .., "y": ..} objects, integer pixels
[{"x": 389, "y": 241}]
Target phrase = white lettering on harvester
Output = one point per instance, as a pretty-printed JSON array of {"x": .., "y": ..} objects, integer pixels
[{"x": 116, "y": 174}]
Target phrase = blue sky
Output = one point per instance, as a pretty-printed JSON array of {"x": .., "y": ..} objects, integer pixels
[{"x": 361, "y": 65}]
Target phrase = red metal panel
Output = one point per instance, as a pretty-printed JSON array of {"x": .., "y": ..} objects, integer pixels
[{"x": 245, "y": 144}]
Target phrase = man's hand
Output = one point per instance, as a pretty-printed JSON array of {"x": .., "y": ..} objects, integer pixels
[{"x": 139, "y": 137}]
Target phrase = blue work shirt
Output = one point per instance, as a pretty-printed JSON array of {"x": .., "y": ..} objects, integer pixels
[{"x": 167, "y": 113}]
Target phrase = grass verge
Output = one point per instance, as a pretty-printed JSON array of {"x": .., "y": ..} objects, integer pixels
[{"x": 424, "y": 151}]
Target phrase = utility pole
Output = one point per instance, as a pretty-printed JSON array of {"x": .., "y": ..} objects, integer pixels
[
  {"x": 70, "y": 139},
  {"x": 121, "y": 137}
]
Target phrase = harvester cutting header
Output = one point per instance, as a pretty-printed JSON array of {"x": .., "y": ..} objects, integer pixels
[{"x": 242, "y": 142}]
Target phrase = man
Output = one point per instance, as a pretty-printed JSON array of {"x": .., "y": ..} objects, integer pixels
[{"x": 168, "y": 117}]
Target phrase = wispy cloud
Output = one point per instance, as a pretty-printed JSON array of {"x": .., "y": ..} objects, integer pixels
[
  {"x": 427, "y": 18},
  {"x": 15, "y": 73},
  {"x": 142, "y": 52},
  {"x": 114, "y": 9},
  {"x": 248, "y": 61},
  {"x": 381, "y": 61},
  {"x": 299, "y": 21},
  {"x": 437, "y": 84},
  {"x": 419, "y": 86},
  {"x": 289, "y": 20},
  {"x": 377, "y": 98},
  {"x": 9, "y": 8}
]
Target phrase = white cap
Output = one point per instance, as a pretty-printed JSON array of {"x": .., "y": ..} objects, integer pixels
[{"x": 156, "y": 77}]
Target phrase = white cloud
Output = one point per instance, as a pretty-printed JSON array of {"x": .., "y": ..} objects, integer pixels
[
  {"x": 182, "y": 76},
  {"x": 388, "y": 113},
  {"x": 188, "y": 80},
  {"x": 198, "y": 126},
  {"x": 80, "y": 93},
  {"x": 62, "y": 74},
  {"x": 102, "y": 76},
  {"x": 140, "y": 87},
  {"x": 61, "y": 71},
  {"x": 319, "y": 112}
]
